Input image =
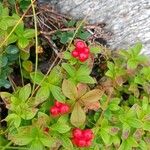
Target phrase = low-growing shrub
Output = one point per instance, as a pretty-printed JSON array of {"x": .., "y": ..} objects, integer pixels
[{"x": 71, "y": 110}]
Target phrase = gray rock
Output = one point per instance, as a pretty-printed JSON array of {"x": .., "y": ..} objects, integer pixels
[{"x": 128, "y": 20}]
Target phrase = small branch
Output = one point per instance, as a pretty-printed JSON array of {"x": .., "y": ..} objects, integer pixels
[
  {"x": 69, "y": 29},
  {"x": 102, "y": 114},
  {"x": 28, "y": 16},
  {"x": 52, "y": 45}
]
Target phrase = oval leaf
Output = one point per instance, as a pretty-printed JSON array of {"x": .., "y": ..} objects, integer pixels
[
  {"x": 57, "y": 93},
  {"x": 69, "y": 90},
  {"x": 42, "y": 94},
  {"x": 60, "y": 127},
  {"x": 91, "y": 96},
  {"x": 25, "y": 92},
  {"x": 78, "y": 116}
]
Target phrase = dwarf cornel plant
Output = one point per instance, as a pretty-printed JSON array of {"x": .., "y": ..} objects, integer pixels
[{"x": 71, "y": 110}]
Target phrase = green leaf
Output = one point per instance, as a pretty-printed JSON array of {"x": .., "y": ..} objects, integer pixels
[
  {"x": 23, "y": 42},
  {"x": 146, "y": 126},
  {"x": 105, "y": 136},
  {"x": 85, "y": 35},
  {"x": 47, "y": 140},
  {"x": 57, "y": 93},
  {"x": 29, "y": 33},
  {"x": 3, "y": 61},
  {"x": 63, "y": 119},
  {"x": 3, "y": 24},
  {"x": 19, "y": 30},
  {"x": 3, "y": 141},
  {"x": 37, "y": 77},
  {"x": 85, "y": 79},
  {"x": 67, "y": 55},
  {"x": 132, "y": 142},
  {"x": 66, "y": 143},
  {"x": 64, "y": 38},
  {"x": 43, "y": 119},
  {"x": 36, "y": 145},
  {"x": 41, "y": 95},
  {"x": 55, "y": 76},
  {"x": 132, "y": 63},
  {"x": 12, "y": 49},
  {"x": 145, "y": 103},
  {"x": 110, "y": 65},
  {"x": 91, "y": 96},
  {"x": 70, "y": 69},
  {"x": 83, "y": 70},
  {"x": 78, "y": 116},
  {"x": 134, "y": 122},
  {"x": 13, "y": 118},
  {"x": 24, "y": 4},
  {"x": 4, "y": 11},
  {"x": 124, "y": 146},
  {"x": 124, "y": 53},
  {"x": 5, "y": 83},
  {"x": 12, "y": 39},
  {"x": 25, "y": 92},
  {"x": 27, "y": 65},
  {"x": 29, "y": 113},
  {"x": 24, "y": 55},
  {"x": 70, "y": 23},
  {"x": 137, "y": 49},
  {"x": 23, "y": 137},
  {"x": 96, "y": 49},
  {"x": 61, "y": 128},
  {"x": 116, "y": 140},
  {"x": 143, "y": 145},
  {"x": 69, "y": 90},
  {"x": 113, "y": 107},
  {"x": 109, "y": 73}
]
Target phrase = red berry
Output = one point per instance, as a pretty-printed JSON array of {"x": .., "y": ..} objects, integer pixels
[
  {"x": 88, "y": 143},
  {"x": 58, "y": 104},
  {"x": 81, "y": 143},
  {"x": 64, "y": 109},
  {"x": 83, "y": 57},
  {"x": 88, "y": 134},
  {"x": 86, "y": 50},
  {"x": 46, "y": 129},
  {"x": 54, "y": 111},
  {"x": 75, "y": 53},
  {"x": 80, "y": 44},
  {"x": 77, "y": 133},
  {"x": 75, "y": 141}
]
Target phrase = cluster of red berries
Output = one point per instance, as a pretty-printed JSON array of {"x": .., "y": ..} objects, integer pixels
[
  {"x": 82, "y": 138},
  {"x": 81, "y": 51},
  {"x": 59, "y": 109}
]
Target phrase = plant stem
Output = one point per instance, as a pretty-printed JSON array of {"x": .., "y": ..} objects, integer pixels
[
  {"x": 22, "y": 80},
  {"x": 45, "y": 75},
  {"x": 36, "y": 41},
  {"x": 15, "y": 148},
  {"x": 69, "y": 29},
  {"x": 12, "y": 83},
  {"x": 6, "y": 146}
]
